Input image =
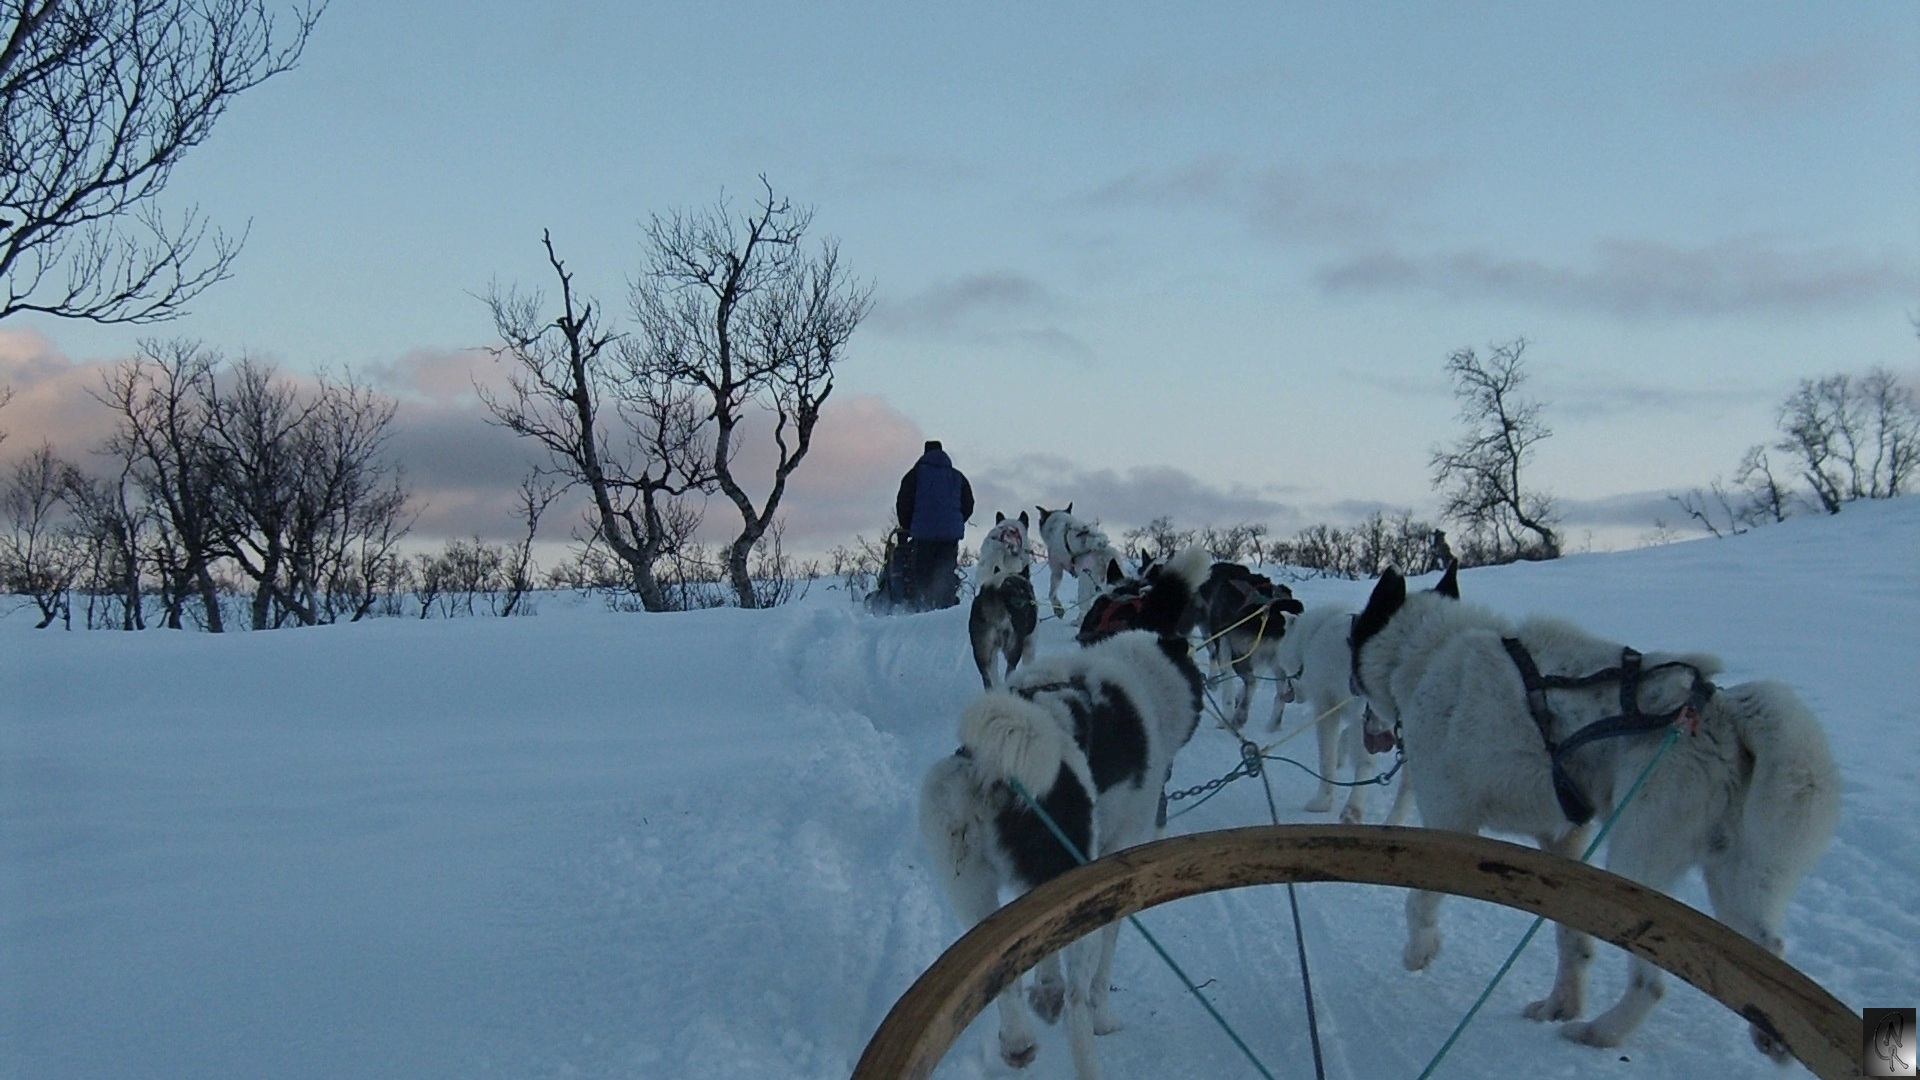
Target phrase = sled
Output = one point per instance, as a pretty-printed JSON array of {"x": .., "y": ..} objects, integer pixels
[{"x": 1765, "y": 990}]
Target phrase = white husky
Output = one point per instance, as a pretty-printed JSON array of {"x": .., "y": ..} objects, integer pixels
[
  {"x": 1313, "y": 656},
  {"x": 1090, "y": 735},
  {"x": 1748, "y": 791},
  {"x": 1003, "y": 551},
  {"x": 1079, "y": 548}
]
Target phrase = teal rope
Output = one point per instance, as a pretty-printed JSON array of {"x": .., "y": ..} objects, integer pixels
[
  {"x": 1074, "y": 850},
  {"x": 1672, "y": 734}
]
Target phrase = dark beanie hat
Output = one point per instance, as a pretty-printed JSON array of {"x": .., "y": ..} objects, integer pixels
[{"x": 933, "y": 444}]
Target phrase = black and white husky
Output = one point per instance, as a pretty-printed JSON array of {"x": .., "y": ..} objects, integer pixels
[
  {"x": 1090, "y": 735},
  {"x": 1316, "y": 662},
  {"x": 1001, "y": 622},
  {"x": 1541, "y": 728}
]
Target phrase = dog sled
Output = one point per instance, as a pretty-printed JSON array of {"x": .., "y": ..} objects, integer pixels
[
  {"x": 1816, "y": 1027},
  {"x": 889, "y": 593}
]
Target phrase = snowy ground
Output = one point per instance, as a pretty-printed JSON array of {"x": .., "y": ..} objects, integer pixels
[{"x": 589, "y": 844}]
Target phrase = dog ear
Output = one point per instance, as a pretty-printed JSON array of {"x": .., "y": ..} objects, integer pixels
[
  {"x": 1387, "y": 598},
  {"x": 1114, "y": 574},
  {"x": 1023, "y": 521},
  {"x": 998, "y": 517},
  {"x": 1450, "y": 581},
  {"x": 1069, "y": 508}
]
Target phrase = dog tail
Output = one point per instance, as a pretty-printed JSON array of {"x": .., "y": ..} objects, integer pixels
[
  {"x": 1011, "y": 737},
  {"x": 1793, "y": 799},
  {"x": 1169, "y": 603}
]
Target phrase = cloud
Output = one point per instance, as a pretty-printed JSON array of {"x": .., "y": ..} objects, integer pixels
[
  {"x": 1636, "y": 509},
  {"x": 1641, "y": 279},
  {"x": 1123, "y": 499},
  {"x": 1590, "y": 395},
  {"x": 1341, "y": 202},
  {"x": 956, "y": 303},
  {"x": 51, "y": 401},
  {"x": 445, "y": 377},
  {"x": 995, "y": 310},
  {"x": 1796, "y": 80},
  {"x": 860, "y": 450}
]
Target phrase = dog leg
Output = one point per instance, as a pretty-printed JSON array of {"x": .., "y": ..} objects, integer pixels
[
  {"x": 1048, "y": 994},
  {"x": 983, "y": 659},
  {"x": 1329, "y": 738},
  {"x": 1104, "y": 1021},
  {"x": 1423, "y": 929},
  {"x": 1402, "y": 810},
  {"x": 1364, "y": 771},
  {"x": 1242, "y": 706},
  {"x": 975, "y": 894},
  {"x": 1568, "y": 996},
  {"x": 1423, "y": 908},
  {"x": 1054, "y": 574},
  {"x": 1645, "y": 986},
  {"x": 1752, "y": 900},
  {"x": 1080, "y": 964}
]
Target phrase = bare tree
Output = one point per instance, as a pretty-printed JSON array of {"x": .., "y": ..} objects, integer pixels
[
  {"x": 1852, "y": 439},
  {"x": 114, "y": 529},
  {"x": 1480, "y": 475},
  {"x": 41, "y": 549},
  {"x": 99, "y": 101},
  {"x": 163, "y": 404},
  {"x": 575, "y": 390},
  {"x": 254, "y": 424},
  {"x": 738, "y": 310},
  {"x": 308, "y": 505},
  {"x": 351, "y": 513}
]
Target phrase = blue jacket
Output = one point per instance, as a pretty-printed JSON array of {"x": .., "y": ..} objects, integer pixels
[{"x": 935, "y": 499}]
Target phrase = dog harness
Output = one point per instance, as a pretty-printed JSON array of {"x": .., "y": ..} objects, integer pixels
[{"x": 1630, "y": 720}]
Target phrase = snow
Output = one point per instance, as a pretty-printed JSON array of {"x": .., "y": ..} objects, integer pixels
[{"x": 593, "y": 844}]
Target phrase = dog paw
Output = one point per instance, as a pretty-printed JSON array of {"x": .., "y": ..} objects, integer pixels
[
  {"x": 1046, "y": 999},
  {"x": 1767, "y": 1044},
  {"x": 1353, "y": 815},
  {"x": 1319, "y": 804},
  {"x": 1587, "y": 1034},
  {"x": 1059, "y": 610},
  {"x": 1554, "y": 1007},
  {"x": 1421, "y": 949},
  {"x": 1018, "y": 1053},
  {"x": 1105, "y": 1023}
]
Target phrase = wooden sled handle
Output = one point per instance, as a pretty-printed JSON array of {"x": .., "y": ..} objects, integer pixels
[{"x": 1817, "y": 1027}]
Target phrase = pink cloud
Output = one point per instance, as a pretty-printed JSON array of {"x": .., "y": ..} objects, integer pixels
[
  {"x": 444, "y": 377},
  {"x": 52, "y": 403},
  {"x": 846, "y": 484},
  {"x": 464, "y": 472}
]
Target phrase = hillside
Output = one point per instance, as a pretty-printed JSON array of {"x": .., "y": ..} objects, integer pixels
[{"x": 589, "y": 844}]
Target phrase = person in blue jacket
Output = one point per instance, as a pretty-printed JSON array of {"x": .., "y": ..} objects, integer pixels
[{"x": 934, "y": 504}]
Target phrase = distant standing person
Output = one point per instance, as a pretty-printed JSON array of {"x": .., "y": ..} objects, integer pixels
[
  {"x": 1439, "y": 555},
  {"x": 934, "y": 504}
]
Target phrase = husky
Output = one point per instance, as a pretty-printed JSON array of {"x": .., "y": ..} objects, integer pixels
[
  {"x": 1243, "y": 616},
  {"x": 1079, "y": 548},
  {"x": 1314, "y": 661},
  {"x": 1090, "y": 735},
  {"x": 1496, "y": 723},
  {"x": 1004, "y": 550},
  {"x": 1001, "y": 624}
]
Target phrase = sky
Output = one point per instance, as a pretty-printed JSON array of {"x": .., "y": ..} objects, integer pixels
[{"x": 1206, "y": 264}]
